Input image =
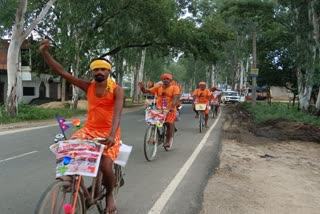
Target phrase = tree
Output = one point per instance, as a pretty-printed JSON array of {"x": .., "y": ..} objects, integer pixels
[{"x": 20, "y": 31}]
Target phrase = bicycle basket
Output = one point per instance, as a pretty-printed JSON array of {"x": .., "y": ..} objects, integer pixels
[
  {"x": 155, "y": 116},
  {"x": 200, "y": 107}
]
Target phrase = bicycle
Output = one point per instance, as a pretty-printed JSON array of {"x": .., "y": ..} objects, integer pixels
[
  {"x": 156, "y": 133},
  {"x": 201, "y": 108},
  {"x": 215, "y": 109},
  {"x": 69, "y": 194}
]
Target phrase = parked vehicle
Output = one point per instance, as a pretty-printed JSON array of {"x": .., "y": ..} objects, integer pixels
[
  {"x": 230, "y": 96},
  {"x": 186, "y": 98}
]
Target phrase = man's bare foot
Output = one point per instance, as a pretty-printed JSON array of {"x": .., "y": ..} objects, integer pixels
[{"x": 111, "y": 205}]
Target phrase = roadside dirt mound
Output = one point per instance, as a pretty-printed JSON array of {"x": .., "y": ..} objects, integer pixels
[
  {"x": 288, "y": 130},
  {"x": 82, "y": 104},
  {"x": 280, "y": 129}
]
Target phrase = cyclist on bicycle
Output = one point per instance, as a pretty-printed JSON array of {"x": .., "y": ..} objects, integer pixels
[
  {"x": 105, "y": 102},
  {"x": 215, "y": 99},
  {"x": 167, "y": 98},
  {"x": 202, "y": 96}
]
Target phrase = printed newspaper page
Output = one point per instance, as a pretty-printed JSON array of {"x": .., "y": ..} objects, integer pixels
[{"x": 81, "y": 157}]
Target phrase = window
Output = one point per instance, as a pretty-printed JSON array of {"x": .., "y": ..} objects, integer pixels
[{"x": 28, "y": 91}]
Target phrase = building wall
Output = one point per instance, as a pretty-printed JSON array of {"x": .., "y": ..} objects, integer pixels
[{"x": 279, "y": 92}]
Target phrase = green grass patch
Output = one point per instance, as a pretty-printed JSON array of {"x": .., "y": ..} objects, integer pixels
[
  {"x": 30, "y": 112},
  {"x": 278, "y": 110}
]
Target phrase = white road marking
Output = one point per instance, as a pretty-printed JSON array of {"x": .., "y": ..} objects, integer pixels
[
  {"x": 18, "y": 156},
  {"x": 167, "y": 193},
  {"x": 27, "y": 129}
]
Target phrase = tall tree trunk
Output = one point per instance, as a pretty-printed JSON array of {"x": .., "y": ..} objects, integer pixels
[
  {"x": 75, "y": 90},
  {"x": 241, "y": 77},
  {"x": 18, "y": 36},
  {"x": 212, "y": 75},
  {"x": 120, "y": 70},
  {"x": 254, "y": 66},
  {"x": 141, "y": 71},
  {"x": 63, "y": 89},
  {"x": 12, "y": 67}
]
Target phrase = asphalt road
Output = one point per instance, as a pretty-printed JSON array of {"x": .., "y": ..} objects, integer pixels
[{"x": 171, "y": 184}]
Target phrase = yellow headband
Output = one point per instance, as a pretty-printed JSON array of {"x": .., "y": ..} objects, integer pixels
[{"x": 99, "y": 63}]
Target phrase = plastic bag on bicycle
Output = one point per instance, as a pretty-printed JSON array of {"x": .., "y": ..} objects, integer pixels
[{"x": 154, "y": 116}]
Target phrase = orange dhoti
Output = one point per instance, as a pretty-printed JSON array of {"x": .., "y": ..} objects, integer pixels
[{"x": 89, "y": 134}]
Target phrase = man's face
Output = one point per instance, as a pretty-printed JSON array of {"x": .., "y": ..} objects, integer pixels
[
  {"x": 100, "y": 74},
  {"x": 202, "y": 87},
  {"x": 166, "y": 81}
]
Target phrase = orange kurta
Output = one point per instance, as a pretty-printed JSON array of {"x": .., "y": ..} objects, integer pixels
[
  {"x": 165, "y": 99},
  {"x": 202, "y": 97},
  {"x": 99, "y": 121}
]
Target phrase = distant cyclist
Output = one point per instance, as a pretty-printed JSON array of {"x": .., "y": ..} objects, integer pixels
[
  {"x": 215, "y": 99},
  {"x": 167, "y": 97},
  {"x": 202, "y": 95}
]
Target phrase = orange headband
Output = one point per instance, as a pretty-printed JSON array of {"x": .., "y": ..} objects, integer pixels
[
  {"x": 99, "y": 63},
  {"x": 166, "y": 76}
]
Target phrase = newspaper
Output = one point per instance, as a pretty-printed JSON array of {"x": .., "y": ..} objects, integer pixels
[
  {"x": 154, "y": 116},
  {"x": 81, "y": 157}
]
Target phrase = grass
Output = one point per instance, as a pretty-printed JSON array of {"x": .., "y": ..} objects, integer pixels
[
  {"x": 279, "y": 110},
  {"x": 31, "y": 112}
]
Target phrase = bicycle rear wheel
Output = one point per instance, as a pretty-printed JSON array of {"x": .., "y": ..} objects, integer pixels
[
  {"x": 119, "y": 182},
  {"x": 212, "y": 110},
  {"x": 150, "y": 143},
  {"x": 56, "y": 196}
]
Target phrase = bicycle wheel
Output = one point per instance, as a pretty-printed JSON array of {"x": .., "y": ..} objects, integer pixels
[
  {"x": 56, "y": 196},
  {"x": 201, "y": 122},
  {"x": 212, "y": 111},
  {"x": 150, "y": 143},
  {"x": 119, "y": 179},
  {"x": 165, "y": 138},
  {"x": 119, "y": 182}
]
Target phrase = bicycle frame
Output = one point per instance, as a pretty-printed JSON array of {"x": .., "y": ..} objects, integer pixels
[{"x": 91, "y": 197}]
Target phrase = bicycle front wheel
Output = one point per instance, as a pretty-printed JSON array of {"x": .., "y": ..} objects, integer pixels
[
  {"x": 57, "y": 196},
  {"x": 201, "y": 122},
  {"x": 150, "y": 143}
]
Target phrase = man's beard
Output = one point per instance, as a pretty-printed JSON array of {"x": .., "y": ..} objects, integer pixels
[{"x": 99, "y": 78}]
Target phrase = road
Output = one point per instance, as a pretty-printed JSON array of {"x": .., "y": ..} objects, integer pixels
[{"x": 27, "y": 167}]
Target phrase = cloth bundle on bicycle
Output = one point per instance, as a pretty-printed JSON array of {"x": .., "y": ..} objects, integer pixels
[{"x": 155, "y": 116}]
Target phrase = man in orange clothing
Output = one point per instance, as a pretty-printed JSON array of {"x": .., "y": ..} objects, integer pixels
[
  {"x": 167, "y": 98},
  {"x": 202, "y": 96},
  {"x": 105, "y": 102}
]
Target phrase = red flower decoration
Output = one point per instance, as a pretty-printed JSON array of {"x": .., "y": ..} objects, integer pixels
[{"x": 76, "y": 122}]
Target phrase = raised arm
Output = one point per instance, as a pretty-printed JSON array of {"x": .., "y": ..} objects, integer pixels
[
  {"x": 44, "y": 45},
  {"x": 143, "y": 90}
]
